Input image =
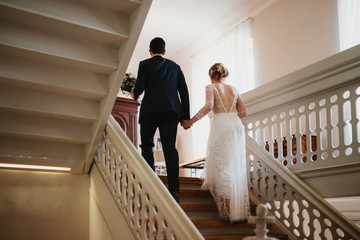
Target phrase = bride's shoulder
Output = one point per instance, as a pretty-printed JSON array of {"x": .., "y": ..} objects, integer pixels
[{"x": 233, "y": 89}]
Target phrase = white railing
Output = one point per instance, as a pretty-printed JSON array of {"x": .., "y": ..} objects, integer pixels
[
  {"x": 299, "y": 210},
  {"x": 310, "y": 119},
  {"x": 144, "y": 201}
]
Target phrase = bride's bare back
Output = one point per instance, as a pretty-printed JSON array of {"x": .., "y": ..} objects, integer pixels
[
  {"x": 221, "y": 98},
  {"x": 226, "y": 95}
]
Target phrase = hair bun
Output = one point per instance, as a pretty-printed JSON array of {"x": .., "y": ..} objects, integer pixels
[{"x": 218, "y": 71}]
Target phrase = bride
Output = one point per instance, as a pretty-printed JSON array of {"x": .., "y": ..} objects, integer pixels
[{"x": 225, "y": 166}]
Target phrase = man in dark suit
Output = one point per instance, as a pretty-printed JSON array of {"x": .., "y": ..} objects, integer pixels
[{"x": 163, "y": 83}]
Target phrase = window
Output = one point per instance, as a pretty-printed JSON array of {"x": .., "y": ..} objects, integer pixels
[
  {"x": 349, "y": 23},
  {"x": 235, "y": 51}
]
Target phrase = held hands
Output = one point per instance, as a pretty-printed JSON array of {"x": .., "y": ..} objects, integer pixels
[{"x": 186, "y": 124}]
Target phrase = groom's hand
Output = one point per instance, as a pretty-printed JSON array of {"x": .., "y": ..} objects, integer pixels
[{"x": 185, "y": 124}]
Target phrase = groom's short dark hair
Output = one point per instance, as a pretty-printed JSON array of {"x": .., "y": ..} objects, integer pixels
[{"x": 157, "y": 45}]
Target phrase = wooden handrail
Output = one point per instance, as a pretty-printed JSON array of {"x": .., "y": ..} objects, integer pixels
[{"x": 191, "y": 162}]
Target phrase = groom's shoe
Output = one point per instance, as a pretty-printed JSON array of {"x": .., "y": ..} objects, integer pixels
[{"x": 176, "y": 196}]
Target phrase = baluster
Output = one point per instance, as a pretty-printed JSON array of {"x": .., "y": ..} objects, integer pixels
[
  {"x": 271, "y": 138},
  {"x": 288, "y": 136},
  {"x": 341, "y": 125},
  {"x": 328, "y": 129},
  {"x": 355, "y": 119},
  {"x": 279, "y": 137},
  {"x": 334, "y": 111},
  {"x": 266, "y": 132},
  {"x": 298, "y": 135},
  {"x": 261, "y": 129},
  {"x": 316, "y": 132},
  {"x": 307, "y": 152}
]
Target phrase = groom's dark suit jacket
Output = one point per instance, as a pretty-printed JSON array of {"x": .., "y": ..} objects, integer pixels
[{"x": 163, "y": 83}]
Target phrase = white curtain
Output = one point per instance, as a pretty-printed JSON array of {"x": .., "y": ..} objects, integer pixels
[
  {"x": 349, "y": 23},
  {"x": 235, "y": 51}
]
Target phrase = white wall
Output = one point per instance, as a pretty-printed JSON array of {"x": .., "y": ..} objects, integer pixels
[
  {"x": 38, "y": 205},
  {"x": 58, "y": 206},
  {"x": 184, "y": 140},
  {"x": 290, "y": 35},
  {"x": 106, "y": 220}
]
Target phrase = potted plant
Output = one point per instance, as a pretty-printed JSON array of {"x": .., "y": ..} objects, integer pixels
[{"x": 128, "y": 83}]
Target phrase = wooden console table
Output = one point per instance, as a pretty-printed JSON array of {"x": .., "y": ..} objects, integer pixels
[{"x": 125, "y": 113}]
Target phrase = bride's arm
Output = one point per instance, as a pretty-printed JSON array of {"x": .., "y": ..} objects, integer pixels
[
  {"x": 209, "y": 103},
  {"x": 240, "y": 107}
]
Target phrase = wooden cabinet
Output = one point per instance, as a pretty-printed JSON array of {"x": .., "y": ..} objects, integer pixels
[{"x": 125, "y": 113}]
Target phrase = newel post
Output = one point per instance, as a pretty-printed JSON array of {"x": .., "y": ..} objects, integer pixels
[{"x": 261, "y": 221}]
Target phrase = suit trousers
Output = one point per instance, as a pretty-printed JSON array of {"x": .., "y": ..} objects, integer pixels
[{"x": 167, "y": 123}]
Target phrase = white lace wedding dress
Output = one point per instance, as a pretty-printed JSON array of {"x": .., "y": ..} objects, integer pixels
[{"x": 225, "y": 165}]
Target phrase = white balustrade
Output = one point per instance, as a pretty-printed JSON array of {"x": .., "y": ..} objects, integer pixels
[
  {"x": 313, "y": 116},
  {"x": 321, "y": 130},
  {"x": 144, "y": 201},
  {"x": 301, "y": 212},
  {"x": 307, "y": 120}
]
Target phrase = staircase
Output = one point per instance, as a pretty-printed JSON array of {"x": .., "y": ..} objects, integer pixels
[
  {"x": 61, "y": 66},
  {"x": 200, "y": 207}
]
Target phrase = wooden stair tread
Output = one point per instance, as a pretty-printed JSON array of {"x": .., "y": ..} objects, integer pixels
[
  {"x": 219, "y": 223},
  {"x": 182, "y": 179},
  {"x": 195, "y": 206},
  {"x": 201, "y": 208},
  {"x": 279, "y": 236},
  {"x": 194, "y": 192}
]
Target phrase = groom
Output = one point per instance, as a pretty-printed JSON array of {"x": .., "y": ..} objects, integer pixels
[{"x": 163, "y": 83}]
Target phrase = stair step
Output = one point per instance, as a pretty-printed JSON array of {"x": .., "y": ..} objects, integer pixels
[
  {"x": 42, "y": 103},
  {"x": 199, "y": 206},
  {"x": 125, "y": 7},
  {"x": 241, "y": 237},
  {"x": 70, "y": 18},
  {"x": 44, "y": 128},
  {"x": 219, "y": 223},
  {"x": 183, "y": 179},
  {"x": 41, "y": 152},
  {"x": 194, "y": 192},
  {"x": 45, "y": 47},
  {"x": 51, "y": 78},
  {"x": 203, "y": 214}
]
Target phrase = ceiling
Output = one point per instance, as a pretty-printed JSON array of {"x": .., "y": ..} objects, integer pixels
[{"x": 180, "y": 22}]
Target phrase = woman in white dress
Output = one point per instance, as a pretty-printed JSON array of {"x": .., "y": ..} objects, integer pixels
[{"x": 225, "y": 166}]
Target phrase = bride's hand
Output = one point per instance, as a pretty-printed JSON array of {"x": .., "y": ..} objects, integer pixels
[{"x": 186, "y": 124}]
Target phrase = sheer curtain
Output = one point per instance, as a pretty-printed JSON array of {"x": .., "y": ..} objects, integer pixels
[
  {"x": 349, "y": 23},
  {"x": 235, "y": 51}
]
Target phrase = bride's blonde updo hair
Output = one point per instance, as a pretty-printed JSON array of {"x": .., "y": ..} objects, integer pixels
[{"x": 218, "y": 71}]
